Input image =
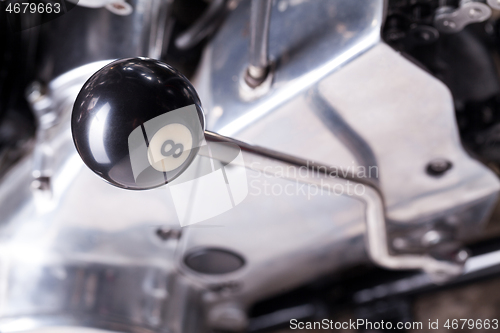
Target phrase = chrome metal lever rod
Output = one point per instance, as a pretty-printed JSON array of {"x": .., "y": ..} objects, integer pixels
[
  {"x": 259, "y": 38},
  {"x": 266, "y": 160}
]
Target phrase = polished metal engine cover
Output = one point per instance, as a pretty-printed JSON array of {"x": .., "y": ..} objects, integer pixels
[
  {"x": 344, "y": 98},
  {"x": 83, "y": 253}
]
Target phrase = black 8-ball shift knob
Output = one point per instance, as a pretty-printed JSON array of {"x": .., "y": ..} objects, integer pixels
[{"x": 137, "y": 123}]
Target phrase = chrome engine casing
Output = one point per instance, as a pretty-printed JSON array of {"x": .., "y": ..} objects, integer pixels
[{"x": 79, "y": 252}]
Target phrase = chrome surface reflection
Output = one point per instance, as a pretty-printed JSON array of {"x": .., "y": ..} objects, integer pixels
[
  {"x": 89, "y": 254},
  {"x": 340, "y": 97}
]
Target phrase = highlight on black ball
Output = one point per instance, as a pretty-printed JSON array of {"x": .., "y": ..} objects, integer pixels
[{"x": 138, "y": 123}]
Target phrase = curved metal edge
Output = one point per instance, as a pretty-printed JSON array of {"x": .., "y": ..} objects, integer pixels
[{"x": 77, "y": 74}]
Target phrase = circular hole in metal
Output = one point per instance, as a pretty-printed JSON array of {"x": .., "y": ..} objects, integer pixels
[
  {"x": 213, "y": 261},
  {"x": 438, "y": 167}
]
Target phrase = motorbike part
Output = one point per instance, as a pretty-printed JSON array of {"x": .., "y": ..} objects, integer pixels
[
  {"x": 258, "y": 67},
  {"x": 450, "y": 20},
  {"x": 125, "y": 94},
  {"x": 323, "y": 97},
  {"x": 286, "y": 240},
  {"x": 93, "y": 251},
  {"x": 137, "y": 123}
]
